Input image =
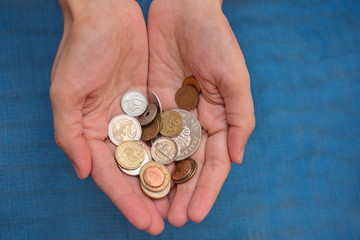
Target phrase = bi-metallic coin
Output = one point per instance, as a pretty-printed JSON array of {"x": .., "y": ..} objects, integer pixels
[{"x": 123, "y": 128}]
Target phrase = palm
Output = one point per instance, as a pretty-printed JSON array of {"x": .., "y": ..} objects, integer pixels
[
  {"x": 202, "y": 46},
  {"x": 106, "y": 59}
]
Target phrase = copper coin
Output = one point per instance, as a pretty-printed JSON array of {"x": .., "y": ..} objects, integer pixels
[
  {"x": 181, "y": 170},
  {"x": 192, "y": 81},
  {"x": 149, "y": 115},
  {"x": 187, "y": 98},
  {"x": 154, "y": 177},
  {"x": 151, "y": 130},
  {"x": 190, "y": 173},
  {"x": 164, "y": 171},
  {"x": 173, "y": 123}
]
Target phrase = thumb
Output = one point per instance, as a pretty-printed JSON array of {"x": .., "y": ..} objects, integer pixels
[{"x": 68, "y": 128}]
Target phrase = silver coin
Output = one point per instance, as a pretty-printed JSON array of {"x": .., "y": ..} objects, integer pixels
[
  {"x": 134, "y": 103},
  {"x": 153, "y": 98},
  {"x": 147, "y": 159},
  {"x": 188, "y": 141},
  {"x": 164, "y": 150},
  {"x": 124, "y": 128}
]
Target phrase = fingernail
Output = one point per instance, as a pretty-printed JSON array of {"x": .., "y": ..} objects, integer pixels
[
  {"x": 76, "y": 168},
  {"x": 241, "y": 155}
]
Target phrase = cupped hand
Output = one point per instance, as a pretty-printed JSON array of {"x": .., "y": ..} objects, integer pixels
[
  {"x": 193, "y": 38},
  {"x": 103, "y": 54}
]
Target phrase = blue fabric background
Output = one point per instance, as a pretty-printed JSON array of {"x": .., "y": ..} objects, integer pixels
[{"x": 300, "y": 178}]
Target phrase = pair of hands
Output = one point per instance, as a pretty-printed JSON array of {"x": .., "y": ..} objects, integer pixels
[{"x": 107, "y": 50}]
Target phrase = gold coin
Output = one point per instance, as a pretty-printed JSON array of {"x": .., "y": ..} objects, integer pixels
[
  {"x": 156, "y": 195},
  {"x": 192, "y": 81},
  {"x": 130, "y": 155},
  {"x": 172, "y": 123},
  {"x": 151, "y": 184},
  {"x": 187, "y": 98}
]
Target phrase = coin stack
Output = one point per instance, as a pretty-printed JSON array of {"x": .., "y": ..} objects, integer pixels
[{"x": 173, "y": 135}]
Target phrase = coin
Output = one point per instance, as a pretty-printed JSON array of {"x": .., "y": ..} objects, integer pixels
[
  {"x": 123, "y": 128},
  {"x": 164, "y": 171},
  {"x": 184, "y": 170},
  {"x": 133, "y": 103},
  {"x": 148, "y": 115},
  {"x": 193, "y": 82},
  {"x": 154, "y": 177},
  {"x": 187, "y": 98},
  {"x": 172, "y": 123},
  {"x": 147, "y": 159},
  {"x": 164, "y": 150},
  {"x": 156, "y": 195},
  {"x": 153, "y": 98},
  {"x": 130, "y": 155},
  {"x": 188, "y": 141},
  {"x": 151, "y": 130}
]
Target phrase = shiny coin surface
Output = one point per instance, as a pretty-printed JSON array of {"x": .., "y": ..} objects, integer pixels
[
  {"x": 149, "y": 115},
  {"x": 193, "y": 82},
  {"x": 153, "y": 98},
  {"x": 164, "y": 150},
  {"x": 172, "y": 123},
  {"x": 188, "y": 141},
  {"x": 155, "y": 177},
  {"x": 147, "y": 159},
  {"x": 184, "y": 170},
  {"x": 133, "y": 103},
  {"x": 156, "y": 195},
  {"x": 130, "y": 155},
  {"x": 124, "y": 128},
  {"x": 187, "y": 98},
  {"x": 151, "y": 130}
]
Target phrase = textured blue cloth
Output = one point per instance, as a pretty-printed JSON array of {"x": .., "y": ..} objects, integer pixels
[{"x": 300, "y": 177}]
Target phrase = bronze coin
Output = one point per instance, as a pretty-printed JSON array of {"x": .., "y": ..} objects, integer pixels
[
  {"x": 151, "y": 130},
  {"x": 192, "y": 81},
  {"x": 149, "y": 115},
  {"x": 187, "y": 98},
  {"x": 190, "y": 174},
  {"x": 173, "y": 123},
  {"x": 181, "y": 170},
  {"x": 165, "y": 173},
  {"x": 154, "y": 177}
]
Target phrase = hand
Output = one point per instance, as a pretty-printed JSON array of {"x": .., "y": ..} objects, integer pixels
[
  {"x": 193, "y": 38},
  {"x": 103, "y": 54}
]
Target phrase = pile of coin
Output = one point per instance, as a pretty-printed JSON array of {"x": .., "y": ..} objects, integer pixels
[
  {"x": 173, "y": 136},
  {"x": 187, "y": 97}
]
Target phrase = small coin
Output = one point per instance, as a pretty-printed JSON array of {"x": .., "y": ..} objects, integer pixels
[
  {"x": 123, "y": 128},
  {"x": 184, "y": 170},
  {"x": 172, "y": 123},
  {"x": 153, "y": 98},
  {"x": 147, "y": 159},
  {"x": 151, "y": 130},
  {"x": 193, "y": 82},
  {"x": 188, "y": 141},
  {"x": 165, "y": 173},
  {"x": 133, "y": 103},
  {"x": 156, "y": 195},
  {"x": 148, "y": 115},
  {"x": 187, "y": 98},
  {"x": 154, "y": 177},
  {"x": 130, "y": 155},
  {"x": 164, "y": 150}
]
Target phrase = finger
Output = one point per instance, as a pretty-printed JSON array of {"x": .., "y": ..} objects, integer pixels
[
  {"x": 107, "y": 176},
  {"x": 68, "y": 128},
  {"x": 178, "y": 214},
  {"x": 235, "y": 89},
  {"x": 213, "y": 175}
]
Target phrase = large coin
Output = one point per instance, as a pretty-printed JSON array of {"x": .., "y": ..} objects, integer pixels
[
  {"x": 187, "y": 98},
  {"x": 154, "y": 177},
  {"x": 133, "y": 103},
  {"x": 188, "y": 141},
  {"x": 130, "y": 155},
  {"x": 173, "y": 123},
  {"x": 156, "y": 195},
  {"x": 147, "y": 159},
  {"x": 124, "y": 128},
  {"x": 164, "y": 150}
]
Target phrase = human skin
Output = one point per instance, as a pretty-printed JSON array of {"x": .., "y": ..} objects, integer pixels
[
  {"x": 104, "y": 52},
  {"x": 193, "y": 38}
]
